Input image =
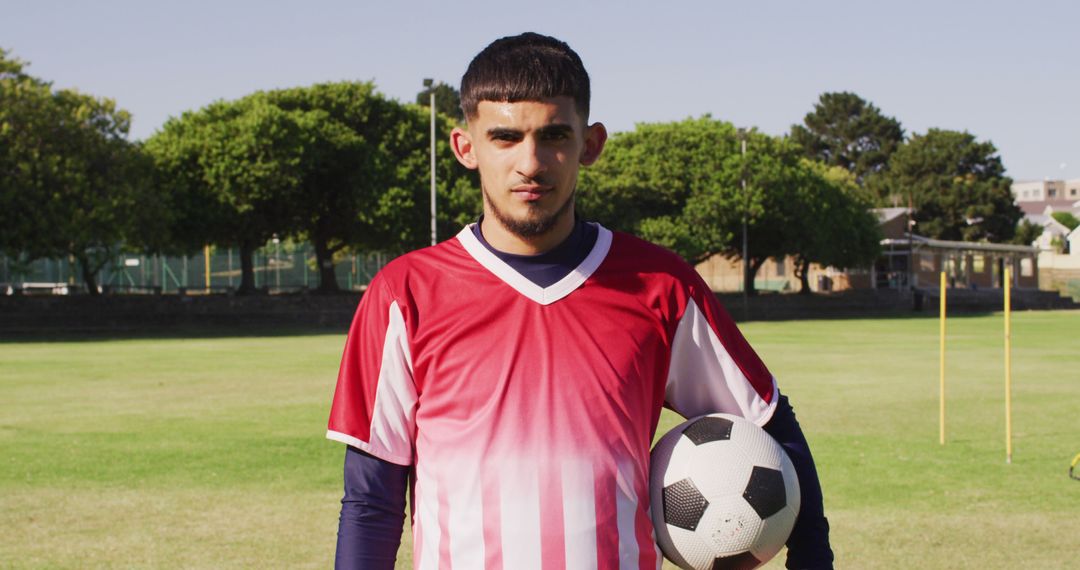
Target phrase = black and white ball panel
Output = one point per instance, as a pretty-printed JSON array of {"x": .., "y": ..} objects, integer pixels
[
  {"x": 708, "y": 428},
  {"x": 684, "y": 504}
]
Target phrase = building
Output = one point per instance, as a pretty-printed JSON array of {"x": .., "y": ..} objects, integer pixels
[
  {"x": 1046, "y": 191},
  {"x": 1035, "y": 197},
  {"x": 907, "y": 260},
  {"x": 1053, "y": 235}
]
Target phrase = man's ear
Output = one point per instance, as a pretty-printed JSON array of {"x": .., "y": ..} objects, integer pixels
[
  {"x": 595, "y": 137},
  {"x": 461, "y": 142}
]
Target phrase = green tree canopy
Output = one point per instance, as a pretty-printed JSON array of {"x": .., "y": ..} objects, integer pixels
[
  {"x": 957, "y": 185},
  {"x": 649, "y": 180},
  {"x": 336, "y": 163},
  {"x": 835, "y": 226},
  {"x": 73, "y": 185},
  {"x": 366, "y": 178},
  {"x": 1066, "y": 219},
  {"x": 447, "y": 100},
  {"x": 847, "y": 131},
  {"x": 233, "y": 169},
  {"x": 680, "y": 185},
  {"x": 1026, "y": 232}
]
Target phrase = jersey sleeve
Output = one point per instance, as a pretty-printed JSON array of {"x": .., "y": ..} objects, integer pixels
[
  {"x": 374, "y": 407},
  {"x": 713, "y": 369}
]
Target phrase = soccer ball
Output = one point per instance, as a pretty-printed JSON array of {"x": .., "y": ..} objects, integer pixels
[{"x": 724, "y": 494}]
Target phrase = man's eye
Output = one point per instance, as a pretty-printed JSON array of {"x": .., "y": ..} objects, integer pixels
[{"x": 555, "y": 136}]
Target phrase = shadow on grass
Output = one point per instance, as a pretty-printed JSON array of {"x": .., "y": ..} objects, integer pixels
[
  {"x": 210, "y": 331},
  {"x": 167, "y": 333}
]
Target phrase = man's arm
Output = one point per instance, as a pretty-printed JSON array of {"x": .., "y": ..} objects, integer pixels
[
  {"x": 372, "y": 512},
  {"x": 808, "y": 545}
]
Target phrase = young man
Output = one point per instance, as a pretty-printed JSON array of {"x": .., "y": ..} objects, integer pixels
[{"x": 515, "y": 373}]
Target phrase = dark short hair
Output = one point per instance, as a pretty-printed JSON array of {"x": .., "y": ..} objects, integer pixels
[{"x": 528, "y": 67}]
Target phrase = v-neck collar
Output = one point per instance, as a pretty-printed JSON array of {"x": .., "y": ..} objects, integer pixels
[{"x": 518, "y": 282}]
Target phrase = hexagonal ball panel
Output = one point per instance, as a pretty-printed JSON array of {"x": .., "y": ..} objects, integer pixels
[
  {"x": 759, "y": 446},
  {"x": 744, "y": 561},
  {"x": 708, "y": 429},
  {"x": 718, "y": 468},
  {"x": 765, "y": 491},
  {"x": 683, "y": 504},
  {"x": 730, "y": 526}
]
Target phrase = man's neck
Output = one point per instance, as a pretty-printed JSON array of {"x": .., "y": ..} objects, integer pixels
[{"x": 506, "y": 241}]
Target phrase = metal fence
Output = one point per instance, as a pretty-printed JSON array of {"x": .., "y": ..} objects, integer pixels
[{"x": 279, "y": 267}]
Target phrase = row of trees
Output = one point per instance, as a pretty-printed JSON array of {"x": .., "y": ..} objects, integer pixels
[
  {"x": 71, "y": 184},
  {"x": 336, "y": 164},
  {"x": 681, "y": 185},
  {"x": 955, "y": 183},
  {"x": 345, "y": 168}
]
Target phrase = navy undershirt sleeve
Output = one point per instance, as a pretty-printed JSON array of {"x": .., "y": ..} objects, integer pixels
[
  {"x": 372, "y": 512},
  {"x": 808, "y": 545}
]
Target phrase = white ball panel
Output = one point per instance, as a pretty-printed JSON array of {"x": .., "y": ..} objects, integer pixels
[
  {"x": 760, "y": 448},
  {"x": 718, "y": 468},
  {"x": 774, "y": 534},
  {"x": 791, "y": 484},
  {"x": 691, "y": 551},
  {"x": 663, "y": 470},
  {"x": 729, "y": 525}
]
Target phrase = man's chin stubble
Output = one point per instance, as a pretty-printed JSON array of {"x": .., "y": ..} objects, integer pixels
[{"x": 530, "y": 228}]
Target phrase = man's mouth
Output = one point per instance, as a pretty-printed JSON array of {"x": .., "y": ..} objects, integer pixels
[{"x": 530, "y": 192}]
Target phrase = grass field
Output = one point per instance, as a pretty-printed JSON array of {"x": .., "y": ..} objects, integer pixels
[{"x": 209, "y": 452}]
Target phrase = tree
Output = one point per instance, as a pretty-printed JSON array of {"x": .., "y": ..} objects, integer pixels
[
  {"x": 364, "y": 180},
  {"x": 1066, "y": 219},
  {"x": 73, "y": 184},
  {"x": 679, "y": 184},
  {"x": 649, "y": 180},
  {"x": 1026, "y": 233},
  {"x": 957, "y": 185},
  {"x": 337, "y": 164},
  {"x": 447, "y": 100},
  {"x": 835, "y": 227},
  {"x": 847, "y": 131},
  {"x": 234, "y": 167}
]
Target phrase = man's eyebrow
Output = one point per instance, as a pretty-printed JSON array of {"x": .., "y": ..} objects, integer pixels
[
  {"x": 501, "y": 132},
  {"x": 546, "y": 130},
  {"x": 556, "y": 129}
]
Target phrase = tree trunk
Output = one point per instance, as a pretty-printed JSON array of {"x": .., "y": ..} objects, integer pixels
[
  {"x": 324, "y": 258},
  {"x": 247, "y": 267},
  {"x": 802, "y": 269},
  {"x": 748, "y": 276},
  {"x": 89, "y": 274}
]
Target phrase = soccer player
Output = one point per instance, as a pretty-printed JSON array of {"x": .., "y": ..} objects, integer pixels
[{"x": 512, "y": 377}]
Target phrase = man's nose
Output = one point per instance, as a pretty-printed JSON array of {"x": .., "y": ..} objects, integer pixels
[{"x": 531, "y": 162}]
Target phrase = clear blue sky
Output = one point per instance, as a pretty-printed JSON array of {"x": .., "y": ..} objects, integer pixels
[{"x": 1004, "y": 71}]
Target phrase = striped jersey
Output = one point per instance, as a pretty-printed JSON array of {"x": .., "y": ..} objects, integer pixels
[{"x": 527, "y": 412}]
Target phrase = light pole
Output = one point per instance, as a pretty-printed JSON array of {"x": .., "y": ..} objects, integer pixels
[
  {"x": 429, "y": 83},
  {"x": 277, "y": 262},
  {"x": 745, "y": 237}
]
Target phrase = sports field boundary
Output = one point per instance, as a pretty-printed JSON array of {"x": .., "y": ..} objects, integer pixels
[{"x": 220, "y": 314}]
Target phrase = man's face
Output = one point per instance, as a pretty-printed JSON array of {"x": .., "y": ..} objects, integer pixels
[{"x": 528, "y": 154}]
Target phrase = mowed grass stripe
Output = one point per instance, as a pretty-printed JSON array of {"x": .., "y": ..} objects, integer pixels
[{"x": 209, "y": 453}]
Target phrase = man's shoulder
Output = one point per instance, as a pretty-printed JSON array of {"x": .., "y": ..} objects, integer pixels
[
  {"x": 647, "y": 257},
  {"x": 423, "y": 263}
]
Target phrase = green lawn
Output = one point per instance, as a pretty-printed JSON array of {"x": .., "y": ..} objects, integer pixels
[{"x": 209, "y": 452}]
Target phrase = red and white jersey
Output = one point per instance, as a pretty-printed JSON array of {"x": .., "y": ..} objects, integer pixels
[{"x": 528, "y": 412}]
